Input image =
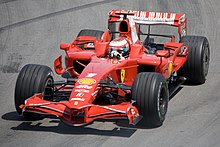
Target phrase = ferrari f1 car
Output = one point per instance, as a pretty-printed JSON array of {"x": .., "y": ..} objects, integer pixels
[{"x": 116, "y": 74}]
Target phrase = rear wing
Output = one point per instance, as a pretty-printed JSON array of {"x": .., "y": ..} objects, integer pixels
[{"x": 151, "y": 18}]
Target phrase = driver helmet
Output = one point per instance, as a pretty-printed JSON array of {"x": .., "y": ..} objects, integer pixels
[{"x": 119, "y": 48}]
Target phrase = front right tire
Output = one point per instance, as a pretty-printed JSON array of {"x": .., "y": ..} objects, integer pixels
[{"x": 32, "y": 79}]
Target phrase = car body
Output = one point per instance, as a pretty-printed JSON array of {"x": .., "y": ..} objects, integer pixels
[{"x": 98, "y": 86}]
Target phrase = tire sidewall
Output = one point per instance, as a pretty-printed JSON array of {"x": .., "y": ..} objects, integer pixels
[
  {"x": 48, "y": 76},
  {"x": 205, "y": 46},
  {"x": 160, "y": 115}
]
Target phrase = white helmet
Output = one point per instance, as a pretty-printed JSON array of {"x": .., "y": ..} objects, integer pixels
[{"x": 119, "y": 48}]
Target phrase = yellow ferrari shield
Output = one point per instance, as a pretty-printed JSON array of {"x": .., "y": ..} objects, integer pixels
[{"x": 122, "y": 75}]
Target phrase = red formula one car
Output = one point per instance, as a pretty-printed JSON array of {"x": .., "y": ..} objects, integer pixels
[{"x": 116, "y": 73}]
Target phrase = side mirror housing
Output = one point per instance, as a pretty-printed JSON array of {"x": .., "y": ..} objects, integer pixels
[
  {"x": 64, "y": 46},
  {"x": 162, "y": 53}
]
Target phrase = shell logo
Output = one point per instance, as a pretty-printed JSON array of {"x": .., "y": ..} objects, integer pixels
[{"x": 87, "y": 81}]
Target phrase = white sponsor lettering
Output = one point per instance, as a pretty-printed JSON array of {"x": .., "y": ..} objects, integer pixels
[
  {"x": 80, "y": 94},
  {"x": 95, "y": 93},
  {"x": 182, "y": 18},
  {"x": 132, "y": 111},
  {"x": 77, "y": 99},
  {"x": 84, "y": 86},
  {"x": 90, "y": 45},
  {"x": 81, "y": 90},
  {"x": 90, "y": 75},
  {"x": 113, "y": 61},
  {"x": 154, "y": 16},
  {"x": 142, "y": 15}
]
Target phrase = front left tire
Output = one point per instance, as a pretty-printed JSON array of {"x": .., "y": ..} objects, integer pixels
[
  {"x": 150, "y": 91},
  {"x": 195, "y": 70}
]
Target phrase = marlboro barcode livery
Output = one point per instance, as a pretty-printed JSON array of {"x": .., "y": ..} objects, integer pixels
[{"x": 122, "y": 72}]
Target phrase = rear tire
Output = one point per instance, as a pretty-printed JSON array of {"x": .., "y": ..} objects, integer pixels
[
  {"x": 150, "y": 91},
  {"x": 32, "y": 79},
  {"x": 95, "y": 33},
  {"x": 196, "y": 67}
]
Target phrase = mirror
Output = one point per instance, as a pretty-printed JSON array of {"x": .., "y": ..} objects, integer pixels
[
  {"x": 64, "y": 46},
  {"x": 162, "y": 53}
]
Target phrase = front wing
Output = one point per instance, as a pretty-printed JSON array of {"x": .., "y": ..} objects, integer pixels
[{"x": 72, "y": 114}]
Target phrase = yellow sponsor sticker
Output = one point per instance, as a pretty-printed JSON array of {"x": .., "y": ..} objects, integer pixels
[
  {"x": 87, "y": 81},
  {"x": 122, "y": 75},
  {"x": 170, "y": 68},
  {"x": 76, "y": 103}
]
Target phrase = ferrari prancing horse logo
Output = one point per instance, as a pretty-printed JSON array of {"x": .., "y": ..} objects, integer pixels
[{"x": 122, "y": 75}]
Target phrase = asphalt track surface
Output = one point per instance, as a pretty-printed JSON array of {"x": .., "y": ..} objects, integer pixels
[{"x": 31, "y": 31}]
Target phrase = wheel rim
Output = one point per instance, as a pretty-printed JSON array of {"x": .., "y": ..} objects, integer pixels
[
  {"x": 163, "y": 102},
  {"x": 206, "y": 58},
  {"x": 48, "y": 83}
]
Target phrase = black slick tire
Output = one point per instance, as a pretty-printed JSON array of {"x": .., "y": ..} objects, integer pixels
[
  {"x": 32, "y": 79},
  {"x": 150, "y": 91},
  {"x": 196, "y": 67},
  {"x": 87, "y": 32}
]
